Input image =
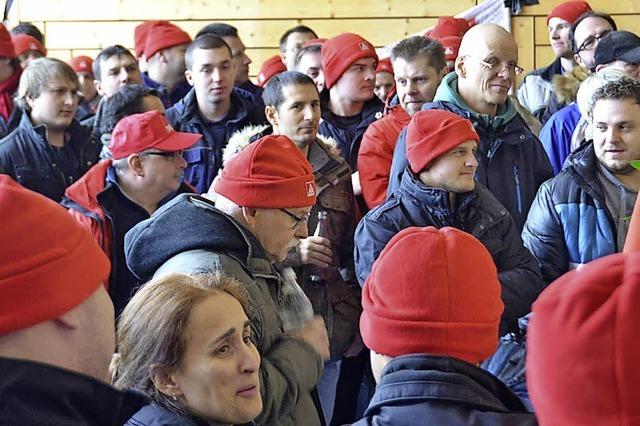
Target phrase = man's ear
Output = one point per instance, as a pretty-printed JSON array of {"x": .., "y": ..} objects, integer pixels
[
  {"x": 460, "y": 67},
  {"x": 188, "y": 76},
  {"x": 272, "y": 115},
  {"x": 164, "y": 380},
  {"x": 135, "y": 163},
  {"x": 249, "y": 215}
]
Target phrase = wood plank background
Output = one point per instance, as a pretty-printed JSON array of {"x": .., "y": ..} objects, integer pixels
[{"x": 74, "y": 27}]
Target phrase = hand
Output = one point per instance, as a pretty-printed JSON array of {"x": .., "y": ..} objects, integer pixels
[
  {"x": 316, "y": 251},
  {"x": 314, "y": 333}
]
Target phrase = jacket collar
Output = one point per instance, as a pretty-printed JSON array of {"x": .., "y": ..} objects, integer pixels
[
  {"x": 74, "y": 134},
  {"x": 238, "y": 108}
]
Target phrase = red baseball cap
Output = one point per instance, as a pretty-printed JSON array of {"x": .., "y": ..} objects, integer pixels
[
  {"x": 384, "y": 65},
  {"x": 270, "y": 68},
  {"x": 23, "y": 43},
  {"x": 81, "y": 64},
  {"x": 139, "y": 132}
]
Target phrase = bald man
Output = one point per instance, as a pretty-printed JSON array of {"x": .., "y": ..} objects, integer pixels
[{"x": 511, "y": 160}]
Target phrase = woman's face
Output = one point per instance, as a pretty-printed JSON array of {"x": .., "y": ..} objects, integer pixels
[{"x": 218, "y": 376}]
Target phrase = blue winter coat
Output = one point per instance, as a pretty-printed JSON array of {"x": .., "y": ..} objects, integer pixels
[
  {"x": 476, "y": 212},
  {"x": 435, "y": 390},
  {"x": 556, "y": 135},
  {"x": 569, "y": 223},
  {"x": 205, "y": 157},
  {"x": 154, "y": 415}
]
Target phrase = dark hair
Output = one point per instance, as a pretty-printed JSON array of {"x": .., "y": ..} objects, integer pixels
[
  {"x": 420, "y": 46},
  {"x": 272, "y": 94},
  {"x": 219, "y": 29},
  {"x": 126, "y": 101},
  {"x": 29, "y": 29},
  {"x": 589, "y": 14},
  {"x": 106, "y": 53},
  {"x": 296, "y": 29},
  {"x": 312, "y": 48},
  {"x": 206, "y": 42},
  {"x": 624, "y": 88}
]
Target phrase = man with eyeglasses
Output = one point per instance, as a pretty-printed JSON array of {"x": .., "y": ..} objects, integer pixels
[
  {"x": 585, "y": 34},
  {"x": 536, "y": 93},
  {"x": 512, "y": 163},
  {"x": 263, "y": 197},
  {"x": 144, "y": 172},
  {"x": 49, "y": 150}
]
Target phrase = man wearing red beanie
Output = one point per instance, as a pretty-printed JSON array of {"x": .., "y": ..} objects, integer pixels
[
  {"x": 419, "y": 66},
  {"x": 28, "y": 48},
  {"x": 349, "y": 105},
  {"x": 57, "y": 331},
  {"x": 264, "y": 195},
  {"x": 144, "y": 171},
  {"x": 438, "y": 189},
  {"x": 164, "y": 52},
  {"x": 583, "y": 346},
  {"x": 10, "y": 71},
  {"x": 384, "y": 80},
  {"x": 429, "y": 325},
  {"x": 270, "y": 68},
  {"x": 536, "y": 93}
]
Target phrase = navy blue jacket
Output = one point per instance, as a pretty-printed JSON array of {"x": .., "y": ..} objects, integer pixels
[
  {"x": 556, "y": 135},
  {"x": 569, "y": 223},
  {"x": 154, "y": 415},
  {"x": 349, "y": 147},
  {"x": 476, "y": 212},
  {"x": 205, "y": 157},
  {"x": 512, "y": 163},
  {"x": 422, "y": 389},
  {"x": 26, "y": 156},
  {"x": 168, "y": 98}
]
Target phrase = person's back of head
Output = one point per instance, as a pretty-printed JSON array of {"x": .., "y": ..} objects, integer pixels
[
  {"x": 583, "y": 345},
  {"x": 54, "y": 308}
]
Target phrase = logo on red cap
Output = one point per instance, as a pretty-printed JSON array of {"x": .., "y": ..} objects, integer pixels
[
  {"x": 448, "y": 50},
  {"x": 311, "y": 190},
  {"x": 363, "y": 45}
]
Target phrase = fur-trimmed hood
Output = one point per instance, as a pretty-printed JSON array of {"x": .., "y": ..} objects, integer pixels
[{"x": 566, "y": 86}]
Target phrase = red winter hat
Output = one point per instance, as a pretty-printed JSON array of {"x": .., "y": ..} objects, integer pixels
[
  {"x": 81, "y": 64},
  {"x": 164, "y": 35},
  {"x": 449, "y": 26},
  {"x": 583, "y": 344},
  {"x": 432, "y": 291},
  {"x": 140, "y": 33},
  {"x": 339, "y": 52},
  {"x": 451, "y": 46},
  {"x": 23, "y": 43},
  {"x": 6, "y": 45},
  {"x": 433, "y": 132},
  {"x": 384, "y": 65},
  {"x": 139, "y": 132},
  {"x": 49, "y": 263},
  {"x": 270, "y": 173},
  {"x": 569, "y": 11},
  {"x": 269, "y": 68}
]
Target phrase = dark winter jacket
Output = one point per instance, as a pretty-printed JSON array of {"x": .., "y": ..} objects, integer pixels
[
  {"x": 189, "y": 235},
  {"x": 37, "y": 394},
  {"x": 205, "y": 157},
  {"x": 477, "y": 212},
  {"x": 423, "y": 389},
  {"x": 536, "y": 91},
  {"x": 27, "y": 156},
  {"x": 168, "y": 99},
  {"x": 154, "y": 415},
  {"x": 349, "y": 146},
  {"x": 512, "y": 163},
  {"x": 569, "y": 223}
]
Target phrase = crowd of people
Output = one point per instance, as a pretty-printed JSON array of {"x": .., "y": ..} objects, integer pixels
[{"x": 353, "y": 240}]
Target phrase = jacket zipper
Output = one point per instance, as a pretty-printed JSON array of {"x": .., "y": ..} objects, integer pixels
[{"x": 516, "y": 177}]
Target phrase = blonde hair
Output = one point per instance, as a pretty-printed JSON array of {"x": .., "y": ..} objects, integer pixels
[
  {"x": 36, "y": 78},
  {"x": 152, "y": 329}
]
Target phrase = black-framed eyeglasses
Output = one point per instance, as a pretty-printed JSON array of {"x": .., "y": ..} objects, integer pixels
[
  {"x": 297, "y": 219},
  {"x": 171, "y": 155},
  {"x": 591, "y": 42}
]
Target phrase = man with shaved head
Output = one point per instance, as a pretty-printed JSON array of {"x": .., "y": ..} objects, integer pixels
[{"x": 511, "y": 160}]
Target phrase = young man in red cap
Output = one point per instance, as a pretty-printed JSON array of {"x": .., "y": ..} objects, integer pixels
[
  {"x": 583, "y": 347},
  {"x": 292, "y": 41},
  {"x": 49, "y": 150},
  {"x": 28, "y": 49},
  {"x": 438, "y": 189},
  {"x": 428, "y": 326},
  {"x": 349, "y": 106},
  {"x": 10, "y": 71},
  {"x": 57, "y": 332},
  {"x": 213, "y": 108},
  {"x": 89, "y": 97},
  {"x": 140, "y": 33},
  {"x": 270, "y": 68},
  {"x": 384, "y": 80},
  {"x": 419, "y": 65},
  {"x": 145, "y": 171},
  {"x": 536, "y": 91},
  {"x": 263, "y": 198},
  {"x": 164, "y": 52}
]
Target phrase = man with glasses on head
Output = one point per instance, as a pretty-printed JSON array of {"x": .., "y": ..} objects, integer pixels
[
  {"x": 144, "y": 172},
  {"x": 512, "y": 163}
]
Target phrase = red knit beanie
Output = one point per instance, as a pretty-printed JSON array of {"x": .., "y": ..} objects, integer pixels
[
  {"x": 384, "y": 65},
  {"x": 583, "y": 346},
  {"x": 81, "y": 64},
  {"x": 164, "y": 35},
  {"x": 432, "y": 291},
  {"x": 569, "y": 11},
  {"x": 339, "y": 52},
  {"x": 6, "y": 45},
  {"x": 269, "y": 68},
  {"x": 49, "y": 263},
  {"x": 270, "y": 173},
  {"x": 22, "y": 43},
  {"x": 449, "y": 26},
  {"x": 451, "y": 46},
  {"x": 432, "y": 133}
]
